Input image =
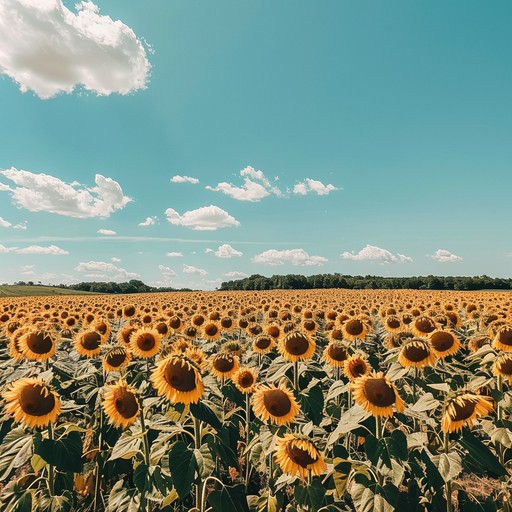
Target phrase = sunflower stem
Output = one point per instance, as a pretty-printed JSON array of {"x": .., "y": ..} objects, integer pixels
[
  {"x": 146, "y": 455},
  {"x": 499, "y": 384},
  {"x": 197, "y": 446},
  {"x": 296, "y": 376},
  {"x": 247, "y": 438},
  {"x": 51, "y": 472},
  {"x": 378, "y": 427},
  {"x": 448, "y": 485},
  {"x": 99, "y": 460}
]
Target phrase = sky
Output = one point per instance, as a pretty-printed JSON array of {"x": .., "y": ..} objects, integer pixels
[{"x": 186, "y": 143}]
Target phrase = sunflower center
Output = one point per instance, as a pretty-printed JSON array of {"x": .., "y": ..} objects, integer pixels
[
  {"x": 126, "y": 404},
  {"x": 309, "y": 325},
  {"x": 425, "y": 325},
  {"x": 442, "y": 341},
  {"x": 463, "y": 412},
  {"x": 243, "y": 323},
  {"x": 296, "y": 344},
  {"x": 198, "y": 320},
  {"x": 505, "y": 366},
  {"x": 226, "y": 323},
  {"x": 263, "y": 342},
  {"x": 40, "y": 342},
  {"x": 36, "y": 400},
  {"x": 416, "y": 352},
  {"x": 357, "y": 368},
  {"x": 299, "y": 456},
  {"x": 102, "y": 328},
  {"x": 126, "y": 333},
  {"x": 162, "y": 328},
  {"x": 182, "y": 378},
  {"x": 175, "y": 322},
  {"x": 354, "y": 327},
  {"x": 337, "y": 353},
  {"x": 116, "y": 359},
  {"x": 505, "y": 336},
  {"x": 129, "y": 311},
  {"x": 277, "y": 402},
  {"x": 146, "y": 342},
  {"x": 273, "y": 331},
  {"x": 91, "y": 340},
  {"x": 224, "y": 364},
  {"x": 211, "y": 330},
  {"x": 393, "y": 323},
  {"x": 246, "y": 380},
  {"x": 379, "y": 393}
]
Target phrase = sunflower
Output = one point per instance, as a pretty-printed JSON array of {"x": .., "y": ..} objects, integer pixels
[
  {"x": 162, "y": 327},
  {"x": 418, "y": 353},
  {"x": 178, "y": 379},
  {"x": 296, "y": 346},
  {"x": 197, "y": 320},
  {"x": 503, "y": 339},
  {"x": 129, "y": 311},
  {"x": 477, "y": 342},
  {"x": 376, "y": 394},
  {"x": 502, "y": 366},
  {"x": 276, "y": 404},
  {"x": 245, "y": 380},
  {"x": 263, "y": 344},
  {"x": 464, "y": 409},
  {"x": 392, "y": 323},
  {"x": 37, "y": 345},
  {"x": 309, "y": 326},
  {"x": 211, "y": 331},
  {"x": 120, "y": 404},
  {"x": 355, "y": 366},
  {"x": 123, "y": 335},
  {"x": 334, "y": 334},
  {"x": 223, "y": 366},
  {"x": 444, "y": 343},
  {"x": 103, "y": 327},
  {"x": 297, "y": 455},
  {"x": 354, "y": 328},
  {"x": 397, "y": 339},
  {"x": 197, "y": 356},
  {"x": 32, "y": 402},
  {"x": 227, "y": 324},
  {"x": 335, "y": 354},
  {"x": 145, "y": 342},
  {"x": 14, "y": 346},
  {"x": 423, "y": 326},
  {"x": 274, "y": 331},
  {"x": 117, "y": 357},
  {"x": 176, "y": 323},
  {"x": 88, "y": 343}
]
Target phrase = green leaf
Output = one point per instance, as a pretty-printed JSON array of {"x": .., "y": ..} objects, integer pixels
[
  {"x": 312, "y": 403},
  {"x": 480, "y": 455},
  {"x": 449, "y": 465},
  {"x": 64, "y": 453},
  {"x": 205, "y": 462},
  {"x": 183, "y": 466},
  {"x": 15, "y": 450},
  {"x": 349, "y": 421},
  {"x": 204, "y": 412},
  {"x": 311, "y": 496},
  {"x": 140, "y": 476},
  {"x": 427, "y": 402},
  {"x": 37, "y": 463},
  {"x": 229, "y": 499},
  {"x": 444, "y": 387},
  {"x": 340, "y": 474},
  {"x": 126, "y": 447},
  {"x": 387, "y": 448}
]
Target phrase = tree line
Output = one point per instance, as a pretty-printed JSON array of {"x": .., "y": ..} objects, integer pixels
[{"x": 430, "y": 282}]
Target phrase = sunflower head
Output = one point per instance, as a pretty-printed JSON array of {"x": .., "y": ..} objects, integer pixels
[
  {"x": 296, "y": 346},
  {"x": 354, "y": 328},
  {"x": 502, "y": 365},
  {"x": 116, "y": 358},
  {"x": 88, "y": 343},
  {"x": 245, "y": 380},
  {"x": 335, "y": 354},
  {"x": 475, "y": 343},
  {"x": 145, "y": 342},
  {"x": 224, "y": 365},
  {"x": 463, "y": 409},
  {"x": 121, "y": 404},
  {"x": 423, "y": 325},
  {"x": 416, "y": 352},
  {"x": 503, "y": 339},
  {"x": 211, "y": 330},
  {"x": 32, "y": 402},
  {"x": 297, "y": 455},
  {"x": 355, "y": 366},
  {"x": 263, "y": 344},
  {"x": 443, "y": 343},
  {"x": 37, "y": 345},
  {"x": 276, "y": 404},
  {"x": 376, "y": 394},
  {"x": 392, "y": 323},
  {"x": 233, "y": 347}
]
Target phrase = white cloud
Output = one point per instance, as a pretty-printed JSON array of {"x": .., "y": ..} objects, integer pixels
[
  {"x": 184, "y": 179},
  {"x": 27, "y": 270},
  {"x": 49, "y": 49},
  {"x": 38, "y": 249},
  {"x": 166, "y": 271},
  {"x": 115, "y": 260},
  {"x": 45, "y": 193},
  {"x": 207, "y": 218},
  {"x": 174, "y": 254},
  {"x": 373, "y": 253},
  {"x": 444, "y": 256},
  {"x": 150, "y": 221},
  {"x": 256, "y": 186},
  {"x": 309, "y": 185},
  {"x": 105, "y": 269},
  {"x": 21, "y": 225},
  {"x": 106, "y": 232},
  {"x": 225, "y": 251},
  {"x": 189, "y": 269},
  {"x": 236, "y": 275},
  {"x": 4, "y": 223},
  {"x": 7, "y": 249},
  {"x": 294, "y": 256}
]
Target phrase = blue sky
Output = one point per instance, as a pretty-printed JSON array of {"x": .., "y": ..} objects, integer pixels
[{"x": 362, "y": 137}]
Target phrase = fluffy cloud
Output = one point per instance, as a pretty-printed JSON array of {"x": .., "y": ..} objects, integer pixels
[
  {"x": 444, "y": 256},
  {"x": 115, "y": 260},
  {"x": 184, "y": 179},
  {"x": 106, "y": 232},
  {"x": 27, "y": 270},
  {"x": 166, "y": 271},
  {"x": 373, "y": 253},
  {"x": 7, "y": 249},
  {"x": 189, "y": 269},
  {"x": 236, "y": 275},
  {"x": 309, "y": 185},
  {"x": 49, "y": 49},
  {"x": 174, "y": 254},
  {"x": 38, "y": 249},
  {"x": 45, "y": 193},
  {"x": 294, "y": 256},
  {"x": 256, "y": 186},
  {"x": 105, "y": 269},
  {"x": 225, "y": 251},
  {"x": 150, "y": 221},
  {"x": 4, "y": 223},
  {"x": 207, "y": 218}
]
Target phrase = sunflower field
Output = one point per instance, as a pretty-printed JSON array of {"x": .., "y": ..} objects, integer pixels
[{"x": 318, "y": 400}]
